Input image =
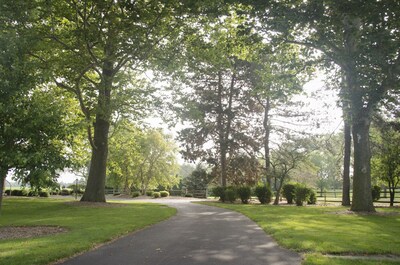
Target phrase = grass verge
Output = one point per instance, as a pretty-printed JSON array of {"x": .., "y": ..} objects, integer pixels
[
  {"x": 320, "y": 230},
  {"x": 87, "y": 226}
]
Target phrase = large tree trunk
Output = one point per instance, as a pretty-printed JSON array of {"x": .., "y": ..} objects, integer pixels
[
  {"x": 267, "y": 130},
  {"x": 3, "y": 175},
  {"x": 346, "y": 164},
  {"x": 362, "y": 197},
  {"x": 94, "y": 191}
]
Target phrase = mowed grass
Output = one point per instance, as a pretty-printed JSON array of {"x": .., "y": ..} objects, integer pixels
[
  {"x": 318, "y": 230},
  {"x": 87, "y": 227}
]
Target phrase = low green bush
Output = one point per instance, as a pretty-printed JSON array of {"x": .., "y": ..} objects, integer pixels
[
  {"x": 164, "y": 193},
  {"x": 188, "y": 195},
  {"x": 313, "y": 197},
  {"x": 376, "y": 193},
  {"x": 288, "y": 192},
  {"x": 156, "y": 194},
  {"x": 244, "y": 193},
  {"x": 135, "y": 194},
  {"x": 44, "y": 194},
  {"x": 219, "y": 192},
  {"x": 263, "y": 193},
  {"x": 33, "y": 193},
  {"x": 19, "y": 192},
  {"x": 65, "y": 192},
  {"x": 302, "y": 194},
  {"x": 149, "y": 193},
  {"x": 7, "y": 192},
  {"x": 54, "y": 192},
  {"x": 230, "y": 194}
]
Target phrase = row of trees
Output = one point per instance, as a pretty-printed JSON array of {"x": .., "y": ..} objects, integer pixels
[
  {"x": 233, "y": 67},
  {"x": 141, "y": 159}
]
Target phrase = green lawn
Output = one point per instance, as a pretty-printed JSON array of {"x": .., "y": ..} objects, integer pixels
[
  {"x": 87, "y": 227},
  {"x": 317, "y": 230}
]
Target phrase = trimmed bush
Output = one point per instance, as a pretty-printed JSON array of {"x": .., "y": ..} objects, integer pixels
[
  {"x": 33, "y": 193},
  {"x": 156, "y": 195},
  {"x": 263, "y": 193},
  {"x": 189, "y": 195},
  {"x": 244, "y": 194},
  {"x": 22, "y": 192},
  {"x": 135, "y": 194},
  {"x": 149, "y": 193},
  {"x": 376, "y": 193},
  {"x": 65, "y": 192},
  {"x": 230, "y": 194},
  {"x": 219, "y": 192},
  {"x": 288, "y": 192},
  {"x": 164, "y": 193},
  {"x": 313, "y": 197},
  {"x": 7, "y": 192},
  {"x": 44, "y": 194},
  {"x": 302, "y": 194}
]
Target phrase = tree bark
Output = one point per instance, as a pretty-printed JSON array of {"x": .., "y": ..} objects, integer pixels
[
  {"x": 94, "y": 191},
  {"x": 278, "y": 191},
  {"x": 362, "y": 197},
  {"x": 3, "y": 175},
  {"x": 346, "y": 164},
  {"x": 221, "y": 133},
  {"x": 267, "y": 131}
]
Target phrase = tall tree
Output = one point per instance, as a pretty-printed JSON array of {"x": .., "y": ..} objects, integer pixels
[
  {"x": 386, "y": 155},
  {"x": 89, "y": 47},
  {"x": 157, "y": 165},
  {"x": 217, "y": 102},
  {"x": 277, "y": 73},
  {"x": 362, "y": 38},
  {"x": 125, "y": 156}
]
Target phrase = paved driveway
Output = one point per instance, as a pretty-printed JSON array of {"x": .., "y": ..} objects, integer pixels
[{"x": 197, "y": 235}]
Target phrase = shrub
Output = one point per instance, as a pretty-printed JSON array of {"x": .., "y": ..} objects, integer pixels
[
  {"x": 33, "y": 193},
  {"x": 21, "y": 192},
  {"x": 219, "y": 192},
  {"x": 302, "y": 194},
  {"x": 230, "y": 194},
  {"x": 189, "y": 195},
  {"x": 376, "y": 193},
  {"x": 65, "y": 192},
  {"x": 156, "y": 195},
  {"x": 149, "y": 193},
  {"x": 244, "y": 194},
  {"x": 44, "y": 194},
  {"x": 263, "y": 193},
  {"x": 288, "y": 192},
  {"x": 54, "y": 192},
  {"x": 164, "y": 193},
  {"x": 7, "y": 192},
  {"x": 313, "y": 197},
  {"x": 135, "y": 194}
]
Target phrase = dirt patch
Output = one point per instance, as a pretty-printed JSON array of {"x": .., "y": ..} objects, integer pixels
[
  {"x": 96, "y": 204},
  {"x": 8, "y": 232},
  {"x": 348, "y": 212}
]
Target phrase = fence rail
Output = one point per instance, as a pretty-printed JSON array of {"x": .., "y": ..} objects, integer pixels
[{"x": 336, "y": 196}]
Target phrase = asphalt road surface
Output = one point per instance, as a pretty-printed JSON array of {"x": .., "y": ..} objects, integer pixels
[{"x": 197, "y": 235}]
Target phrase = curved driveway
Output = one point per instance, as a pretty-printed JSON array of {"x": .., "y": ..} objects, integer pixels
[{"x": 198, "y": 234}]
